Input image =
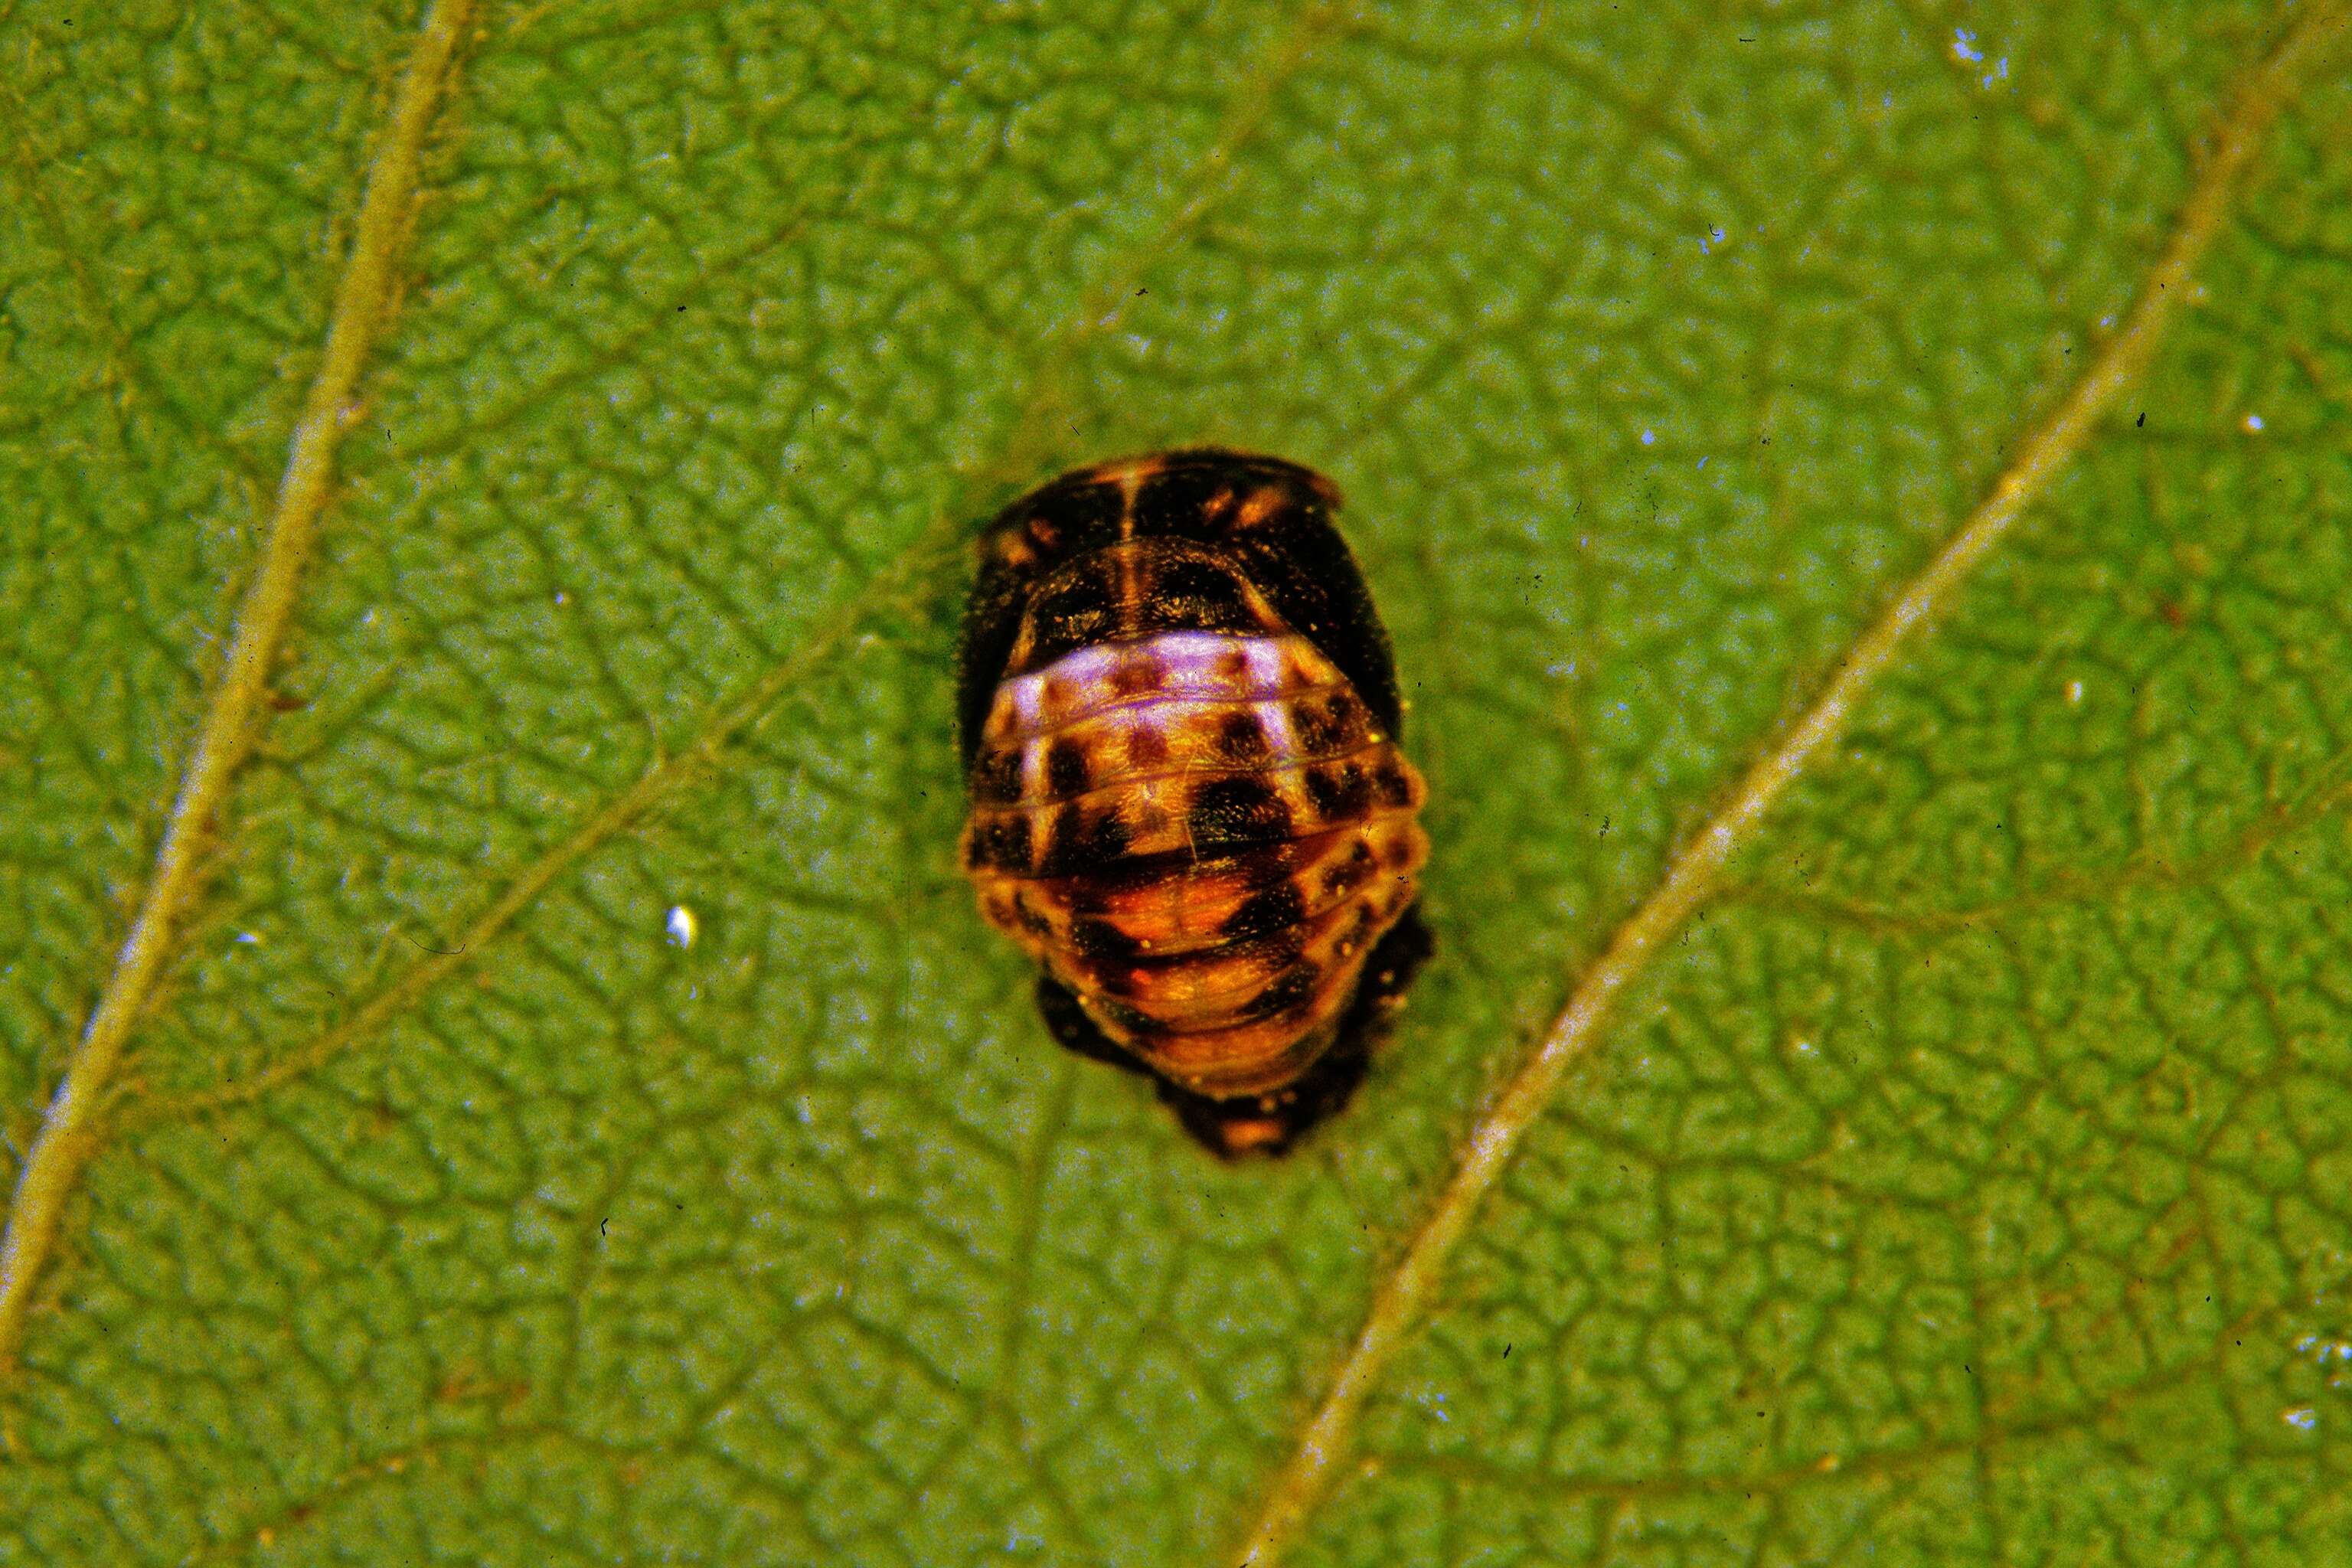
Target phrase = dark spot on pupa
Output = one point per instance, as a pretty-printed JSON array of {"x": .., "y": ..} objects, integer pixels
[
  {"x": 1096, "y": 937},
  {"x": 1340, "y": 791},
  {"x": 1240, "y": 738},
  {"x": 1000, "y": 844},
  {"x": 1227, "y": 812},
  {"x": 1137, "y": 674},
  {"x": 1277, "y": 909},
  {"x": 1119, "y": 1014},
  {"x": 1066, "y": 767},
  {"x": 1389, "y": 783},
  {"x": 1291, "y": 989},
  {"x": 1320, "y": 724},
  {"x": 1081, "y": 839},
  {"x": 1348, "y": 874},
  {"x": 996, "y": 774},
  {"x": 1146, "y": 747},
  {"x": 1072, "y": 614},
  {"x": 1196, "y": 594},
  {"x": 1107, "y": 834}
]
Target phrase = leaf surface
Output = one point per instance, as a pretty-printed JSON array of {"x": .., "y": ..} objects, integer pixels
[{"x": 568, "y": 1109}]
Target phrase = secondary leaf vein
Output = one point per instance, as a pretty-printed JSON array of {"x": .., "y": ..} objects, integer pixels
[{"x": 909, "y": 573}]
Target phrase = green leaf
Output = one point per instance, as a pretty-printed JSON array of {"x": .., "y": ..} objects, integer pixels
[{"x": 1861, "y": 497}]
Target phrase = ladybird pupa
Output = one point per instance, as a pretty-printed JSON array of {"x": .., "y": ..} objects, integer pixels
[{"x": 1180, "y": 733}]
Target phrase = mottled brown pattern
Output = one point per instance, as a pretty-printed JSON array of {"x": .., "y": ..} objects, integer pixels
[{"x": 1182, "y": 805}]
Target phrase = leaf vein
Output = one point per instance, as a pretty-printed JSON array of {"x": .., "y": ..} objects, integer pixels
[
  {"x": 1306, "y": 1476},
  {"x": 2279, "y": 825},
  {"x": 124, "y": 364},
  {"x": 911, "y": 574},
  {"x": 225, "y": 735}
]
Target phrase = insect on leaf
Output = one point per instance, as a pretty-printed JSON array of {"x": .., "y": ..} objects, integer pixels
[{"x": 499, "y": 1062}]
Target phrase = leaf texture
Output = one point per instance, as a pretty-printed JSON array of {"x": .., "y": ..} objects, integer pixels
[{"x": 575, "y": 1113}]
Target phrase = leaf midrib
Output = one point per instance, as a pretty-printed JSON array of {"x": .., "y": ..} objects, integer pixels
[
  {"x": 1307, "y": 1477},
  {"x": 76, "y": 1125},
  {"x": 68, "y": 1136}
]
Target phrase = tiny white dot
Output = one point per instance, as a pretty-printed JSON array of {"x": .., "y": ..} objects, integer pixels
[
  {"x": 2303, "y": 1418},
  {"x": 681, "y": 925},
  {"x": 2253, "y": 422},
  {"x": 2073, "y": 691},
  {"x": 1649, "y": 437}
]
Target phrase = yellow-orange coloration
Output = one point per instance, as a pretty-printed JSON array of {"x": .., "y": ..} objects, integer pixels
[
  {"x": 1188, "y": 802},
  {"x": 1164, "y": 957}
]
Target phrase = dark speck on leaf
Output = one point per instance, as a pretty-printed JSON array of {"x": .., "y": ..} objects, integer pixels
[{"x": 426, "y": 947}]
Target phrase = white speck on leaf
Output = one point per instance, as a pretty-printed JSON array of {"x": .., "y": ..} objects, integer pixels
[
  {"x": 681, "y": 925},
  {"x": 1964, "y": 45},
  {"x": 2303, "y": 1418},
  {"x": 2253, "y": 422},
  {"x": 2073, "y": 691}
]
